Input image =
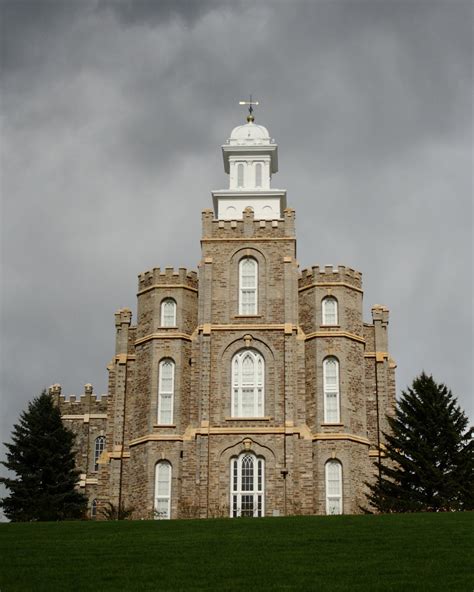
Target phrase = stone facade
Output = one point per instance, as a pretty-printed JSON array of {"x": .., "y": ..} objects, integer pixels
[{"x": 205, "y": 437}]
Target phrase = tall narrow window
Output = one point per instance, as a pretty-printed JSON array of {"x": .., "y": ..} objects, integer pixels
[
  {"x": 163, "y": 490},
  {"x": 248, "y": 279},
  {"x": 165, "y": 392},
  {"x": 98, "y": 450},
  {"x": 168, "y": 313},
  {"x": 247, "y": 475},
  {"x": 258, "y": 174},
  {"x": 240, "y": 175},
  {"x": 333, "y": 487},
  {"x": 329, "y": 311},
  {"x": 248, "y": 375},
  {"x": 94, "y": 508},
  {"x": 331, "y": 390}
]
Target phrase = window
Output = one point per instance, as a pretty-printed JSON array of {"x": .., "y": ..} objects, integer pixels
[
  {"x": 240, "y": 175},
  {"x": 168, "y": 313},
  {"x": 163, "y": 490},
  {"x": 98, "y": 450},
  {"x": 329, "y": 311},
  {"x": 333, "y": 487},
  {"x": 165, "y": 392},
  {"x": 248, "y": 278},
  {"x": 258, "y": 174},
  {"x": 248, "y": 373},
  {"x": 331, "y": 390},
  {"x": 94, "y": 508},
  {"x": 247, "y": 474}
]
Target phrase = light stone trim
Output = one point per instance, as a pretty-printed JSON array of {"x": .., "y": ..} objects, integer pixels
[
  {"x": 163, "y": 335},
  {"x": 247, "y": 239},
  {"x": 302, "y": 431},
  {"x": 167, "y": 286},
  {"x": 379, "y": 356},
  {"x": 329, "y": 284},
  {"x": 207, "y": 328},
  {"x": 352, "y": 336},
  {"x": 85, "y": 417}
]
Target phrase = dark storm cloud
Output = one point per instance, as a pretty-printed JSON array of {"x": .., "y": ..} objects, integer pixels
[
  {"x": 113, "y": 117},
  {"x": 145, "y": 12}
]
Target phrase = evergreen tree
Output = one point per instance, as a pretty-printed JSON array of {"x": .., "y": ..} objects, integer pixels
[
  {"x": 429, "y": 464},
  {"x": 41, "y": 456}
]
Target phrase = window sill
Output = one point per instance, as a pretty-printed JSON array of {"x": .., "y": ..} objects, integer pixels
[
  {"x": 160, "y": 327},
  {"x": 332, "y": 425},
  {"x": 330, "y": 326},
  {"x": 164, "y": 425},
  {"x": 264, "y": 418}
]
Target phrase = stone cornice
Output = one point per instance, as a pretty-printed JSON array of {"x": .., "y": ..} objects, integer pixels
[
  {"x": 166, "y": 287},
  {"x": 352, "y": 336},
  {"x": 246, "y": 239},
  {"x": 303, "y": 431},
  {"x": 163, "y": 335},
  {"x": 328, "y": 285}
]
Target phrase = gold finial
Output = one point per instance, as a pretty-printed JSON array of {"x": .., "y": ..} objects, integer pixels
[{"x": 250, "y": 103}]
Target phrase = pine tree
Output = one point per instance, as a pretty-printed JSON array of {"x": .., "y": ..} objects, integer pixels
[
  {"x": 429, "y": 464},
  {"x": 41, "y": 456}
]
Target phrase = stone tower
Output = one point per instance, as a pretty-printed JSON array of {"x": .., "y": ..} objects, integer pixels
[{"x": 248, "y": 388}]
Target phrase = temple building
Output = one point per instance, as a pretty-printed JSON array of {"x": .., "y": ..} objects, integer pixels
[{"x": 246, "y": 388}]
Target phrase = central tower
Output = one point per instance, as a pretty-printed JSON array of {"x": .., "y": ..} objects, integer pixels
[{"x": 250, "y": 160}]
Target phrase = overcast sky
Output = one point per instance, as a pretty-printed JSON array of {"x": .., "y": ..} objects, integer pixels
[{"x": 113, "y": 118}]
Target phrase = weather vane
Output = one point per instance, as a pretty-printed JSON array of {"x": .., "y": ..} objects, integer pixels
[{"x": 250, "y": 103}]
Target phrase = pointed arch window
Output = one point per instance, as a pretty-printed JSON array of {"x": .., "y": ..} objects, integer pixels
[
  {"x": 331, "y": 390},
  {"x": 333, "y": 487},
  {"x": 258, "y": 174},
  {"x": 248, "y": 377},
  {"x": 247, "y": 474},
  {"x": 248, "y": 283},
  {"x": 330, "y": 315},
  {"x": 163, "y": 490},
  {"x": 168, "y": 313},
  {"x": 99, "y": 448},
  {"x": 240, "y": 174},
  {"x": 166, "y": 392}
]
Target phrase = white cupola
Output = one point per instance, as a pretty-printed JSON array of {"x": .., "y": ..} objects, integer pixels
[{"x": 250, "y": 159}]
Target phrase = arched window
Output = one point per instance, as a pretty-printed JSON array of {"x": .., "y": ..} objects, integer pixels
[
  {"x": 240, "y": 174},
  {"x": 258, "y": 174},
  {"x": 165, "y": 392},
  {"x": 247, "y": 486},
  {"x": 331, "y": 390},
  {"x": 94, "y": 508},
  {"x": 329, "y": 305},
  {"x": 248, "y": 376},
  {"x": 98, "y": 450},
  {"x": 248, "y": 280},
  {"x": 168, "y": 313},
  {"x": 163, "y": 490},
  {"x": 333, "y": 487}
]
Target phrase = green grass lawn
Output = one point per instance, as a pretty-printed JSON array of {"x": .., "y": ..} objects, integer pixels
[{"x": 359, "y": 553}]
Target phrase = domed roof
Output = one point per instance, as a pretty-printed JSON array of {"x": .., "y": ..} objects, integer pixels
[{"x": 249, "y": 134}]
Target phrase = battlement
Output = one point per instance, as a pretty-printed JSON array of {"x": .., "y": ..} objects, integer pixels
[
  {"x": 380, "y": 313},
  {"x": 168, "y": 277},
  {"x": 73, "y": 405},
  {"x": 213, "y": 228},
  {"x": 329, "y": 274}
]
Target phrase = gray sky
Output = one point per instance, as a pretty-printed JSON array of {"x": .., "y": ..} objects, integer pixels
[{"x": 113, "y": 117}]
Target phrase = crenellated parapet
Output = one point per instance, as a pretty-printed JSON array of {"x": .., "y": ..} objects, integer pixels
[
  {"x": 330, "y": 274},
  {"x": 168, "y": 277},
  {"x": 248, "y": 226},
  {"x": 87, "y": 403}
]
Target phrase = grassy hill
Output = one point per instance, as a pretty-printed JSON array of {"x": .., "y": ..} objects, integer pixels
[{"x": 358, "y": 553}]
